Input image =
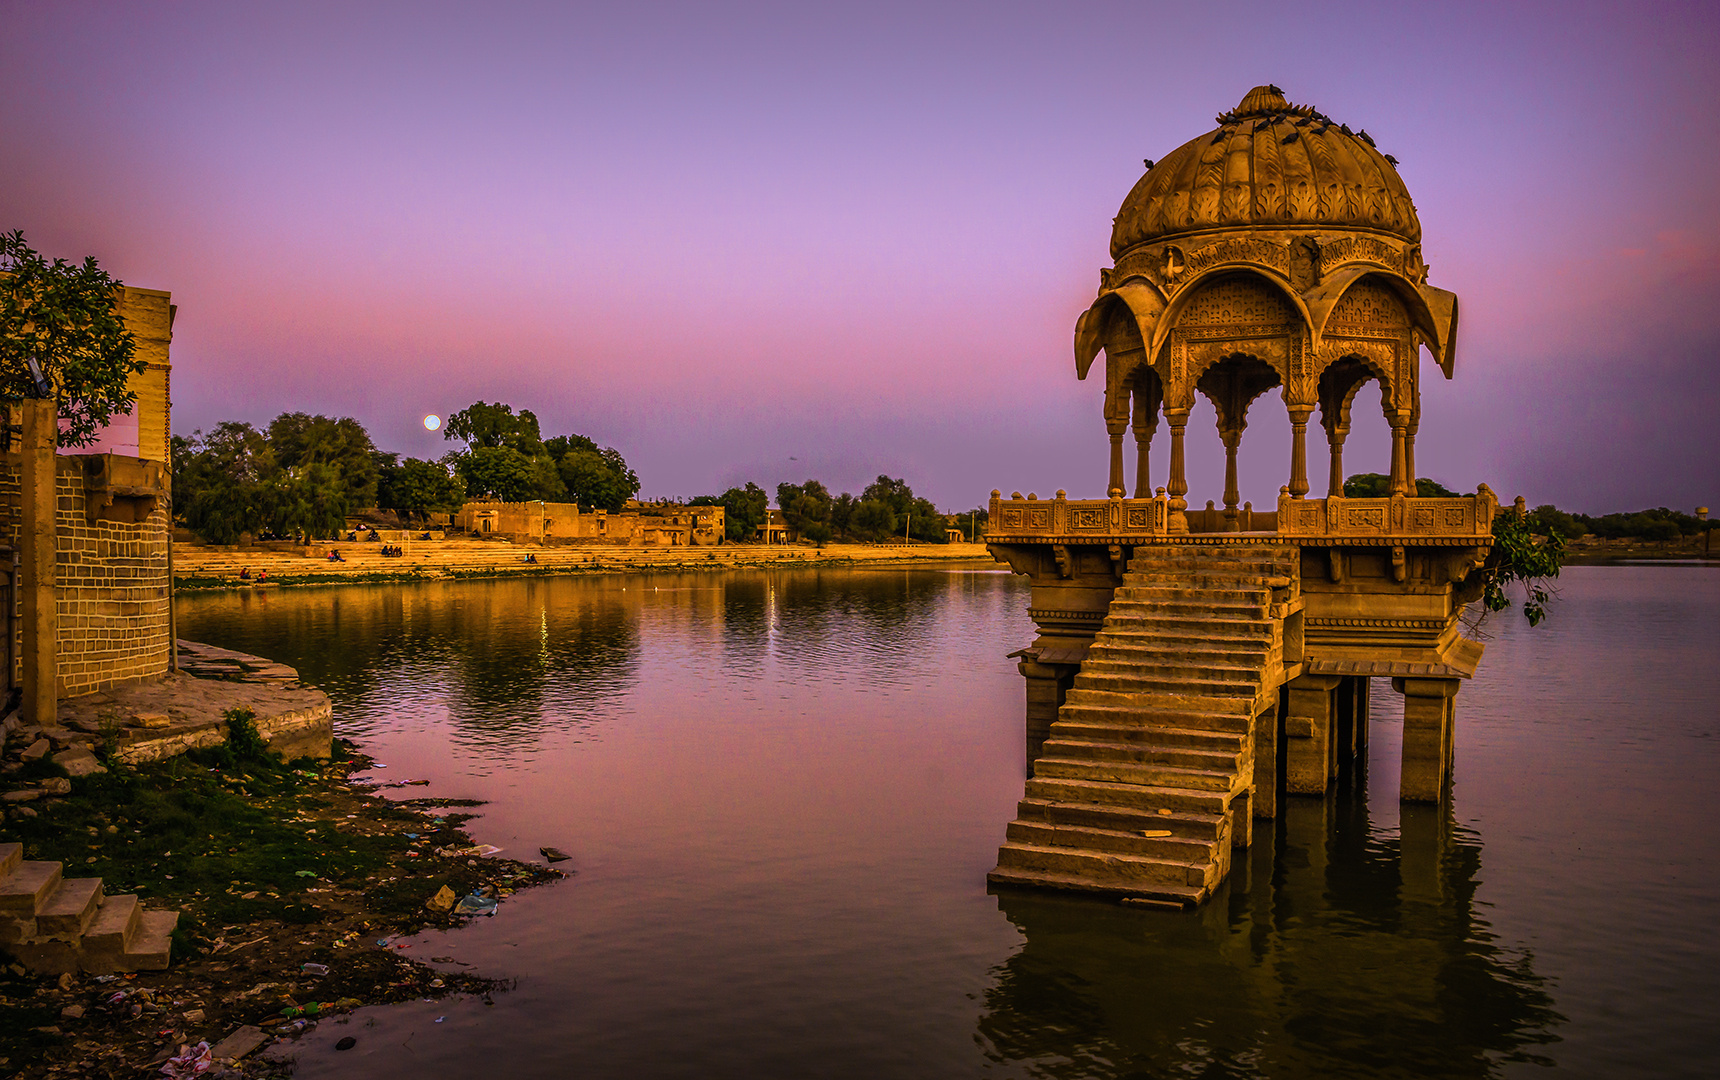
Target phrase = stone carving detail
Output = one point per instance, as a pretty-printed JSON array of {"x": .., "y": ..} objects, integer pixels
[
  {"x": 1368, "y": 307},
  {"x": 1039, "y": 518},
  {"x": 1236, "y": 303},
  {"x": 1454, "y": 515},
  {"x": 1353, "y": 249},
  {"x": 1423, "y": 517},
  {"x": 1264, "y": 252},
  {"x": 1372, "y": 517},
  {"x": 1087, "y": 518}
]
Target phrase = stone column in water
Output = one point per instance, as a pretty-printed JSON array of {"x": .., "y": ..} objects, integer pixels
[
  {"x": 1046, "y": 684},
  {"x": 1310, "y": 754},
  {"x": 1429, "y": 708}
]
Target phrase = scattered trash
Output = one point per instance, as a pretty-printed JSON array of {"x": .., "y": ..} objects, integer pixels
[
  {"x": 191, "y": 1061},
  {"x": 443, "y": 900},
  {"x": 304, "y": 873},
  {"x": 554, "y": 854},
  {"x": 193, "y": 1016},
  {"x": 439, "y": 1019},
  {"x": 314, "y": 969},
  {"x": 478, "y": 903},
  {"x": 242, "y": 1041},
  {"x": 417, "y": 783},
  {"x": 437, "y": 983},
  {"x": 1155, "y": 832},
  {"x": 72, "y": 1012},
  {"x": 346, "y": 1043}
]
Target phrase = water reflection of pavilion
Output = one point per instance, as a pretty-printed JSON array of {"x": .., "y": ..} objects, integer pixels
[{"x": 1339, "y": 949}]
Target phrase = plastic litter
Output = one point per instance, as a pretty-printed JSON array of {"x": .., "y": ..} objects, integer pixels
[
  {"x": 439, "y": 1019},
  {"x": 478, "y": 903},
  {"x": 304, "y": 873},
  {"x": 314, "y": 969},
  {"x": 191, "y": 1061},
  {"x": 554, "y": 854}
]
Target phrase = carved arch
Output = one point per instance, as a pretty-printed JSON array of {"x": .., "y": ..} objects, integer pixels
[
  {"x": 1121, "y": 319},
  {"x": 1168, "y": 321},
  {"x": 1323, "y": 299}
]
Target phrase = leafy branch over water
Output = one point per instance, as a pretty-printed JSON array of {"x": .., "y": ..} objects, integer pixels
[{"x": 1519, "y": 555}]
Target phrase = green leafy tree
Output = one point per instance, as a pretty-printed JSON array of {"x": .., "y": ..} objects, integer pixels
[
  {"x": 66, "y": 318},
  {"x": 495, "y": 425},
  {"x": 872, "y": 519},
  {"x": 806, "y": 509},
  {"x": 1519, "y": 556},
  {"x": 496, "y": 472},
  {"x": 842, "y": 514},
  {"x": 220, "y": 482},
  {"x": 341, "y": 443},
  {"x": 1375, "y": 485},
  {"x": 743, "y": 510},
  {"x": 417, "y": 488},
  {"x": 917, "y": 515},
  {"x": 1549, "y": 520},
  {"x": 310, "y": 500},
  {"x": 592, "y": 475}
]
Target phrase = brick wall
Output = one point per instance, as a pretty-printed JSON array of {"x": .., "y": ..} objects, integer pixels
[{"x": 112, "y": 591}]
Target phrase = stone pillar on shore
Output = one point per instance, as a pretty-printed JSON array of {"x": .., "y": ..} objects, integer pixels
[
  {"x": 40, "y": 422},
  {"x": 1429, "y": 710}
]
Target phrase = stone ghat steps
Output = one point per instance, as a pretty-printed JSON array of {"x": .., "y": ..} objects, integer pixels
[
  {"x": 54, "y": 924},
  {"x": 1133, "y": 791}
]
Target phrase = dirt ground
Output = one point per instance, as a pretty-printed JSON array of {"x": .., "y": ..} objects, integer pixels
[{"x": 292, "y": 883}]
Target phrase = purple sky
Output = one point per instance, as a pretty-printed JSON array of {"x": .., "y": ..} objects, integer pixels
[{"x": 769, "y": 242}]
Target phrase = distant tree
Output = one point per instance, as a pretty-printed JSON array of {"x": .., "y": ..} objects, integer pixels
[
  {"x": 66, "y": 318},
  {"x": 842, "y": 514},
  {"x": 806, "y": 510},
  {"x": 220, "y": 482},
  {"x": 311, "y": 500},
  {"x": 872, "y": 519},
  {"x": 496, "y": 472},
  {"x": 416, "y": 488},
  {"x": 342, "y": 443},
  {"x": 1375, "y": 485},
  {"x": 1548, "y": 520},
  {"x": 972, "y": 523},
  {"x": 495, "y": 425},
  {"x": 919, "y": 516},
  {"x": 592, "y": 475},
  {"x": 743, "y": 510}
]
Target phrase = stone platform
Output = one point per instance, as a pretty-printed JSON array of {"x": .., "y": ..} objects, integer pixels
[{"x": 185, "y": 710}]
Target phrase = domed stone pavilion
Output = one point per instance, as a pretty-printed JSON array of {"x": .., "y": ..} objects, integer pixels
[{"x": 1182, "y": 653}]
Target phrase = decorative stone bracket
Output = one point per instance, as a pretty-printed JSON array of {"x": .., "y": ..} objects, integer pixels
[{"x": 122, "y": 489}]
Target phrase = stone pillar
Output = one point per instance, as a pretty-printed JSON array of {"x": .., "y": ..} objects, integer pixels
[
  {"x": 40, "y": 421},
  {"x": 1364, "y": 690},
  {"x": 1299, "y": 449},
  {"x": 1177, "y": 524},
  {"x": 1429, "y": 708},
  {"x": 1116, "y": 481},
  {"x": 1400, "y": 485},
  {"x": 1265, "y": 738},
  {"x": 1409, "y": 456},
  {"x": 1143, "y": 469},
  {"x": 1335, "y": 479},
  {"x": 1309, "y": 749},
  {"x": 1046, "y": 686},
  {"x": 1241, "y": 820},
  {"x": 1231, "y": 496}
]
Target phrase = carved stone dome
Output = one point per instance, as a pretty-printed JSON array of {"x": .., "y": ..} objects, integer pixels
[{"x": 1269, "y": 164}]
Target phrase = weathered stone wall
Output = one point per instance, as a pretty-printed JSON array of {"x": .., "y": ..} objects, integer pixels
[{"x": 112, "y": 585}]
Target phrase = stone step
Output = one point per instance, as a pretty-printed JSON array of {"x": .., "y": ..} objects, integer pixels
[
  {"x": 1143, "y": 774},
  {"x": 1169, "y": 895},
  {"x": 1100, "y": 707},
  {"x": 152, "y": 945},
  {"x": 1172, "y": 668},
  {"x": 1191, "y": 628},
  {"x": 65, "y": 913},
  {"x": 1238, "y": 705},
  {"x": 1134, "y": 796},
  {"x": 1142, "y": 752},
  {"x": 1125, "y": 608},
  {"x": 10, "y": 856},
  {"x": 1189, "y": 592},
  {"x": 1105, "y": 866},
  {"x": 1252, "y": 571},
  {"x": 1203, "y": 739},
  {"x": 1249, "y": 653},
  {"x": 1118, "y": 841},
  {"x": 1196, "y": 826},
  {"x": 115, "y": 925},
  {"x": 24, "y": 889},
  {"x": 1168, "y": 685}
]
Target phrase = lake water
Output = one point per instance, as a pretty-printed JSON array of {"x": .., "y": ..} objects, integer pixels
[{"x": 782, "y": 792}]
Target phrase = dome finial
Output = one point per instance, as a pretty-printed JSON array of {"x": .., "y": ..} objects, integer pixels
[{"x": 1263, "y": 99}]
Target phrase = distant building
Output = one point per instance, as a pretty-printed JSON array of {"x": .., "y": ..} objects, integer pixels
[
  {"x": 636, "y": 524},
  {"x": 775, "y": 528}
]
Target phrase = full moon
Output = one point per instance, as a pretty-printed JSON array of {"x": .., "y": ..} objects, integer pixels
[{"x": 432, "y": 422}]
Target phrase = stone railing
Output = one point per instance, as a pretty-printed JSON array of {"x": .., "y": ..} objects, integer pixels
[
  {"x": 1124, "y": 521},
  {"x": 1399, "y": 516},
  {"x": 1080, "y": 520}
]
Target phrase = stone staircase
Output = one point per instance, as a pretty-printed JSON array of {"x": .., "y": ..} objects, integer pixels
[
  {"x": 53, "y": 924},
  {"x": 1144, "y": 785}
]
